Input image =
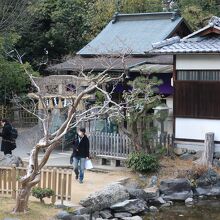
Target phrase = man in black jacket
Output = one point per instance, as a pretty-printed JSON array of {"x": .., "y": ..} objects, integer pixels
[
  {"x": 8, "y": 143},
  {"x": 80, "y": 154}
]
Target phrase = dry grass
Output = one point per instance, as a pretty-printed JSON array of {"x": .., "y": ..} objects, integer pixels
[
  {"x": 37, "y": 211},
  {"x": 176, "y": 168}
]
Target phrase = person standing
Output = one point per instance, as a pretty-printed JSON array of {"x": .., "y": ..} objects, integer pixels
[
  {"x": 80, "y": 154},
  {"x": 8, "y": 143}
]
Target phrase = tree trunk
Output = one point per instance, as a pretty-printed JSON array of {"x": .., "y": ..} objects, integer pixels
[
  {"x": 207, "y": 156},
  {"x": 22, "y": 199},
  {"x": 135, "y": 136}
]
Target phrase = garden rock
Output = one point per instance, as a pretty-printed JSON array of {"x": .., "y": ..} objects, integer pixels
[
  {"x": 207, "y": 191},
  {"x": 168, "y": 204},
  {"x": 105, "y": 214},
  {"x": 209, "y": 178},
  {"x": 110, "y": 195},
  {"x": 131, "y": 183},
  {"x": 153, "y": 209},
  {"x": 137, "y": 194},
  {"x": 63, "y": 215},
  {"x": 157, "y": 201},
  {"x": 186, "y": 156},
  {"x": 175, "y": 189},
  {"x": 82, "y": 211},
  {"x": 179, "y": 151},
  {"x": 81, "y": 217},
  {"x": 198, "y": 155},
  {"x": 217, "y": 155},
  {"x": 9, "y": 160},
  {"x": 189, "y": 201},
  {"x": 133, "y": 218},
  {"x": 151, "y": 192},
  {"x": 132, "y": 206},
  {"x": 122, "y": 214},
  {"x": 153, "y": 181},
  {"x": 143, "y": 177},
  {"x": 216, "y": 162},
  {"x": 96, "y": 214}
]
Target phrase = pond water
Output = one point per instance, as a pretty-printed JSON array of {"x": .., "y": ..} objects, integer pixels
[{"x": 202, "y": 210}]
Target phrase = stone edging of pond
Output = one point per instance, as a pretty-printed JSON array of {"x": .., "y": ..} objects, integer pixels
[{"x": 127, "y": 200}]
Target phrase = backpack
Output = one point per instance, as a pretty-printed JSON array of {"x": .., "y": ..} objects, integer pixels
[{"x": 14, "y": 133}]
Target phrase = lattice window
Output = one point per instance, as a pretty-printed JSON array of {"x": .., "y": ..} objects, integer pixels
[{"x": 52, "y": 89}]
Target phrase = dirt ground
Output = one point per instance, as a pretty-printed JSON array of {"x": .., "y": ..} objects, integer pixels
[{"x": 96, "y": 181}]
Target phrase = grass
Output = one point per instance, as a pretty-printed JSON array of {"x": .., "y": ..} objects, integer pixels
[{"x": 37, "y": 210}]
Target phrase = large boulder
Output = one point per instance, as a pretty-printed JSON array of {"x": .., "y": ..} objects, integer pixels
[
  {"x": 175, "y": 189},
  {"x": 9, "y": 160},
  {"x": 208, "y": 184},
  {"x": 132, "y": 206},
  {"x": 110, "y": 195}
]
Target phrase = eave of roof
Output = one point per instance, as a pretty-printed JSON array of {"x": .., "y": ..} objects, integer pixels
[
  {"x": 153, "y": 68},
  {"x": 79, "y": 63}
]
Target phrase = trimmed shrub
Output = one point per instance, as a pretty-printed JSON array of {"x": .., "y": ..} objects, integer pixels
[
  {"x": 40, "y": 193},
  {"x": 142, "y": 162}
]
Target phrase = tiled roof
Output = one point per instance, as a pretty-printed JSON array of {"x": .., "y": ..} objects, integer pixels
[
  {"x": 152, "y": 68},
  {"x": 133, "y": 33},
  {"x": 206, "y": 44},
  {"x": 205, "y": 40}
]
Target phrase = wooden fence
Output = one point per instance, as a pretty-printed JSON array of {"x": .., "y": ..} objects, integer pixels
[
  {"x": 120, "y": 145},
  {"x": 109, "y": 144},
  {"x": 58, "y": 180},
  {"x": 5, "y": 112},
  {"x": 19, "y": 117}
]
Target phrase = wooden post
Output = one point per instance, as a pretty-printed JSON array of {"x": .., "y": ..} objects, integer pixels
[
  {"x": 209, "y": 148},
  {"x": 63, "y": 189},
  {"x": 72, "y": 187},
  {"x": 13, "y": 179},
  {"x": 54, "y": 176}
]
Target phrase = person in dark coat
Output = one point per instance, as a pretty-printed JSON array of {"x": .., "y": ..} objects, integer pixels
[
  {"x": 8, "y": 144},
  {"x": 80, "y": 154}
]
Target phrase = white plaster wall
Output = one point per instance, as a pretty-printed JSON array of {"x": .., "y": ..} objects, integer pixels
[
  {"x": 189, "y": 128},
  {"x": 184, "y": 62}
]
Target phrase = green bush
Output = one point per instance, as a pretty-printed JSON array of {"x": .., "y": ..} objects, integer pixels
[
  {"x": 40, "y": 193},
  {"x": 142, "y": 162}
]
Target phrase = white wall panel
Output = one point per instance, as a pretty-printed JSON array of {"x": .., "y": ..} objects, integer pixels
[
  {"x": 189, "y": 128},
  {"x": 192, "y": 62}
]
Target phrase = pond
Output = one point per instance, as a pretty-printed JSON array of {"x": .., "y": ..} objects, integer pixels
[{"x": 202, "y": 210}]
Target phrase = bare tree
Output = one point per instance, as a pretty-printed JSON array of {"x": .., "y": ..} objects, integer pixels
[{"x": 50, "y": 140}]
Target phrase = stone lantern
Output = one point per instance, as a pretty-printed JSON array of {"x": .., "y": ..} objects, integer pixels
[{"x": 161, "y": 113}]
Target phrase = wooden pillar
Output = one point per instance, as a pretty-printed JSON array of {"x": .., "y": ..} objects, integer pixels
[
  {"x": 209, "y": 148},
  {"x": 54, "y": 178},
  {"x": 63, "y": 187},
  {"x": 13, "y": 178}
]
